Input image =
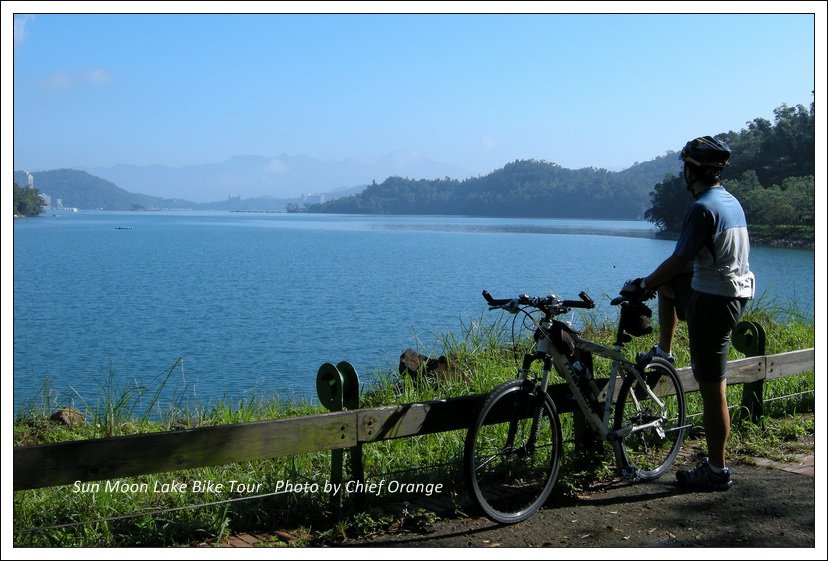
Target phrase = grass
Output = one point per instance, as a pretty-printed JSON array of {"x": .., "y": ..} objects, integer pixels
[{"x": 69, "y": 517}]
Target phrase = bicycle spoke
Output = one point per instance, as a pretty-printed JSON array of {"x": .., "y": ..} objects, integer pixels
[
  {"x": 654, "y": 428},
  {"x": 509, "y": 477}
]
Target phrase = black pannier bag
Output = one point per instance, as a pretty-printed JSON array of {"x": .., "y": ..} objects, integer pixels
[{"x": 635, "y": 318}]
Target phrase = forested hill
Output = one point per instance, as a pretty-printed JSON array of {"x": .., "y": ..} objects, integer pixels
[
  {"x": 83, "y": 190},
  {"x": 523, "y": 188}
]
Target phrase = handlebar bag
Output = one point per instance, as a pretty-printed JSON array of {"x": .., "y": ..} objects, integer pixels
[
  {"x": 635, "y": 318},
  {"x": 562, "y": 336}
]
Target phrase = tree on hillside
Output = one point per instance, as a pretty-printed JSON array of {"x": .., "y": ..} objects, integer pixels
[
  {"x": 775, "y": 151},
  {"x": 669, "y": 201},
  {"x": 789, "y": 203},
  {"x": 27, "y": 201},
  {"x": 523, "y": 188},
  {"x": 771, "y": 172}
]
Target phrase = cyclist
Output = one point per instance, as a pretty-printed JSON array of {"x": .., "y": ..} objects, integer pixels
[{"x": 714, "y": 239}]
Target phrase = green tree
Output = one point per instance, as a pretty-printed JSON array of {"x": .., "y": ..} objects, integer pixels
[
  {"x": 669, "y": 199},
  {"x": 771, "y": 173},
  {"x": 27, "y": 201}
]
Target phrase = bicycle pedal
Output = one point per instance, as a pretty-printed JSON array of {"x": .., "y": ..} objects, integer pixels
[{"x": 629, "y": 474}]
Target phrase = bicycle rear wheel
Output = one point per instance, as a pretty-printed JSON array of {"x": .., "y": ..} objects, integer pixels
[
  {"x": 658, "y": 431},
  {"x": 512, "y": 452}
]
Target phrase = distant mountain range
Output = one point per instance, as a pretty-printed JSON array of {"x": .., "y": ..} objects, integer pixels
[
  {"x": 225, "y": 186},
  {"x": 81, "y": 189},
  {"x": 280, "y": 177}
]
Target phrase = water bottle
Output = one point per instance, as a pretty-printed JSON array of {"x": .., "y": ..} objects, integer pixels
[{"x": 582, "y": 373}]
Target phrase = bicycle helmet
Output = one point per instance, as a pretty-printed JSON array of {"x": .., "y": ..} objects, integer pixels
[{"x": 706, "y": 151}]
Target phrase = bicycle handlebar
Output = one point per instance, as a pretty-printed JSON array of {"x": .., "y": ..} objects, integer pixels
[
  {"x": 545, "y": 303},
  {"x": 650, "y": 294}
]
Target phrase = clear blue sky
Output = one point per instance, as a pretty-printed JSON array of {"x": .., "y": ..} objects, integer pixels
[{"x": 473, "y": 90}]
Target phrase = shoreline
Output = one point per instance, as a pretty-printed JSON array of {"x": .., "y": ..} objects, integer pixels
[{"x": 765, "y": 241}]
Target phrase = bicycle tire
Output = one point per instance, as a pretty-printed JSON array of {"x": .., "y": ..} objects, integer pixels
[
  {"x": 511, "y": 482},
  {"x": 650, "y": 452}
]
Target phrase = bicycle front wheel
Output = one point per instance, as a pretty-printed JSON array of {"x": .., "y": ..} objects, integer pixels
[
  {"x": 512, "y": 452},
  {"x": 657, "y": 429}
]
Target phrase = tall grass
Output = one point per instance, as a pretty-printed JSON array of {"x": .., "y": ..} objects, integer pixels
[{"x": 478, "y": 360}]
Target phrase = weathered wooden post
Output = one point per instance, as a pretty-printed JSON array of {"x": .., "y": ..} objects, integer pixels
[
  {"x": 749, "y": 339},
  {"x": 338, "y": 389}
]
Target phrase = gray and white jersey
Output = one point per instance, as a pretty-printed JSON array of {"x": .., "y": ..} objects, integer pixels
[{"x": 714, "y": 235}]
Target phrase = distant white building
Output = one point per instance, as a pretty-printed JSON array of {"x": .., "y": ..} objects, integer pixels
[
  {"x": 29, "y": 180},
  {"x": 47, "y": 199},
  {"x": 312, "y": 199}
]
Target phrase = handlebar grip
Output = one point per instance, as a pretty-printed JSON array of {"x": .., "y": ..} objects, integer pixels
[
  {"x": 585, "y": 302},
  {"x": 494, "y": 301}
]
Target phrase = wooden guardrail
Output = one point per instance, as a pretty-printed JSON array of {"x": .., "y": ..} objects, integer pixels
[{"x": 108, "y": 458}]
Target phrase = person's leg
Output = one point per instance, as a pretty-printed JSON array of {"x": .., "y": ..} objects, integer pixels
[
  {"x": 711, "y": 472},
  {"x": 680, "y": 292},
  {"x": 716, "y": 420},
  {"x": 673, "y": 306},
  {"x": 709, "y": 330},
  {"x": 667, "y": 318}
]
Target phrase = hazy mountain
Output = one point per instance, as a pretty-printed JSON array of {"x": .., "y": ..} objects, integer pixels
[
  {"x": 625, "y": 192},
  {"x": 81, "y": 189},
  {"x": 283, "y": 177}
]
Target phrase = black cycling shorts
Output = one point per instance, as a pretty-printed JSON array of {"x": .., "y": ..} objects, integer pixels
[
  {"x": 711, "y": 322},
  {"x": 683, "y": 295}
]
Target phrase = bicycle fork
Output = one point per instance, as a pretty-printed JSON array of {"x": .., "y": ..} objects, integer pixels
[{"x": 537, "y": 409}]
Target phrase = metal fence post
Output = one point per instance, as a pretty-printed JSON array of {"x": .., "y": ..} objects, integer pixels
[{"x": 749, "y": 339}]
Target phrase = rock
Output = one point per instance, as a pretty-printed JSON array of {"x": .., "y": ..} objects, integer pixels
[
  {"x": 68, "y": 416},
  {"x": 412, "y": 362},
  {"x": 415, "y": 365}
]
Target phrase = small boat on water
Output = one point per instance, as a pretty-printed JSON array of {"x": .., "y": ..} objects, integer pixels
[{"x": 123, "y": 227}]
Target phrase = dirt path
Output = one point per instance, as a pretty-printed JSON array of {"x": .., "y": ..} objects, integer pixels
[
  {"x": 767, "y": 507},
  {"x": 771, "y": 505}
]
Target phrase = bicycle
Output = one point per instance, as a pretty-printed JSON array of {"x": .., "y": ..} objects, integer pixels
[{"x": 513, "y": 450}]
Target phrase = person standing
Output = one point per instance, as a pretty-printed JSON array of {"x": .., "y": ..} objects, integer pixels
[{"x": 714, "y": 242}]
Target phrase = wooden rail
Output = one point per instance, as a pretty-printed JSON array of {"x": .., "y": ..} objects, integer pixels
[{"x": 125, "y": 456}]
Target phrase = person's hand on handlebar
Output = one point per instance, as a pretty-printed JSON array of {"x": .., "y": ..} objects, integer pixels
[{"x": 636, "y": 290}]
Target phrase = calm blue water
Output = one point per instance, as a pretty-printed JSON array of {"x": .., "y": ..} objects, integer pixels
[{"x": 255, "y": 303}]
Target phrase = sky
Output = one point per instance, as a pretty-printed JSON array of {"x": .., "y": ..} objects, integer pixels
[{"x": 475, "y": 91}]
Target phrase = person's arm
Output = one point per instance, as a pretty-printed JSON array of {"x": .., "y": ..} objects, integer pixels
[{"x": 669, "y": 268}]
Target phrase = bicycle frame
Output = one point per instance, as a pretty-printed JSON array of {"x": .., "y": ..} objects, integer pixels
[
  {"x": 505, "y": 456},
  {"x": 546, "y": 351}
]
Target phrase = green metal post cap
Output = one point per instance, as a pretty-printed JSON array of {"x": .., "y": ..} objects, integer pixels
[
  {"x": 749, "y": 338},
  {"x": 338, "y": 386},
  {"x": 350, "y": 379},
  {"x": 329, "y": 387}
]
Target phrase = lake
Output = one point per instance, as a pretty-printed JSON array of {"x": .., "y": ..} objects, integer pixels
[{"x": 256, "y": 302}]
